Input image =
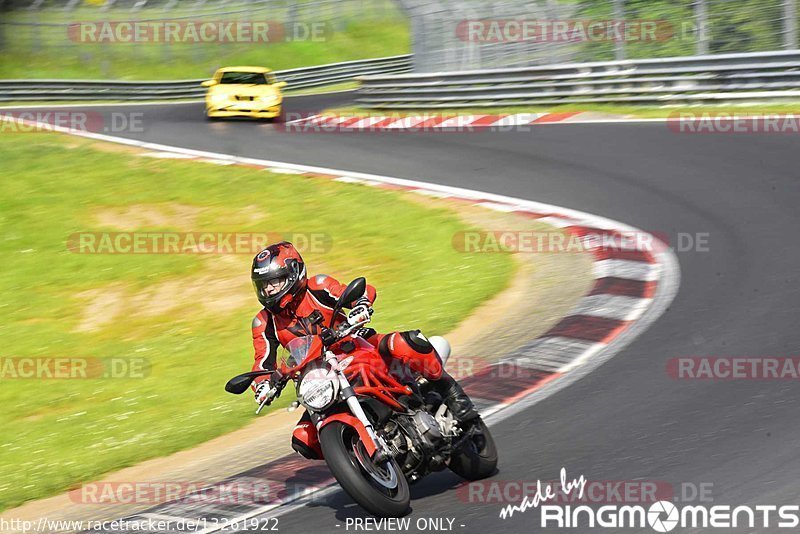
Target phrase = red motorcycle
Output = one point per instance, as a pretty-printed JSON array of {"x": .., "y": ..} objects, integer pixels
[{"x": 378, "y": 432}]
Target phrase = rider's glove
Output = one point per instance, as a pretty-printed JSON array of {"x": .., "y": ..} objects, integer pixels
[
  {"x": 262, "y": 388},
  {"x": 266, "y": 386},
  {"x": 361, "y": 312}
]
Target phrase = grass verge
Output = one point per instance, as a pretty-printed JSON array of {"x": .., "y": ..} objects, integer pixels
[{"x": 188, "y": 315}]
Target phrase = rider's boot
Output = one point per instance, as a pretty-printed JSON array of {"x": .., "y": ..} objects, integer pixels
[{"x": 455, "y": 398}]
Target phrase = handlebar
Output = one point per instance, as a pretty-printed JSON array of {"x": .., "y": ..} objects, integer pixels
[
  {"x": 342, "y": 329},
  {"x": 345, "y": 328}
]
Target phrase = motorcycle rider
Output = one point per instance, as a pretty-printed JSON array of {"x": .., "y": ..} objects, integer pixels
[{"x": 296, "y": 306}]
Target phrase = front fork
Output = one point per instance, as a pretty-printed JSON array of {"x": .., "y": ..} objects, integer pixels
[{"x": 349, "y": 396}]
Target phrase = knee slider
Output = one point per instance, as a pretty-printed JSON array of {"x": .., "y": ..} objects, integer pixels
[{"x": 417, "y": 341}]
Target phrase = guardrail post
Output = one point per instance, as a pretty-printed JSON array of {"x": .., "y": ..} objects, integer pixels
[
  {"x": 701, "y": 20},
  {"x": 789, "y": 24},
  {"x": 419, "y": 43},
  {"x": 619, "y": 17}
]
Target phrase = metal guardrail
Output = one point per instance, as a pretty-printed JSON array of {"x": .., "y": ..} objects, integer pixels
[
  {"x": 694, "y": 79},
  {"x": 300, "y": 78}
]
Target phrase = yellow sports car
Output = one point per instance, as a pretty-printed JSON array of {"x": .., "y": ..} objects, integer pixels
[{"x": 244, "y": 92}]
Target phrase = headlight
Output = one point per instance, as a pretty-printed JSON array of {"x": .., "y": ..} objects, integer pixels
[
  {"x": 219, "y": 98},
  {"x": 269, "y": 99},
  {"x": 318, "y": 389}
]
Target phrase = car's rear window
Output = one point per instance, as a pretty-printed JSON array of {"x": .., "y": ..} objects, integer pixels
[{"x": 244, "y": 78}]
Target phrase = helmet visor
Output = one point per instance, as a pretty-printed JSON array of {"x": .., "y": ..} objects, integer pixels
[{"x": 271, "y": 287}]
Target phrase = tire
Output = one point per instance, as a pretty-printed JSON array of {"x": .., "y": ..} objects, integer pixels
[
  {"x": 477, "y": 459},
  {"x": 339, "y": 443}
]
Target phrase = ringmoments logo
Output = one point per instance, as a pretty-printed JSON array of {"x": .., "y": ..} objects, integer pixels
[{"x": 660, "y": 516}]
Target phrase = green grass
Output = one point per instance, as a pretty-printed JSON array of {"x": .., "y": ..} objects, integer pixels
[
  {"x": 634, "y": 111},
  {"x": 58, "y": 57},
  {"x": 57, "y": 433}
]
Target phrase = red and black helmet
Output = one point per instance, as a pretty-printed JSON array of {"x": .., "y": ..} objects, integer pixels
[{"x": 279, "y": 276}]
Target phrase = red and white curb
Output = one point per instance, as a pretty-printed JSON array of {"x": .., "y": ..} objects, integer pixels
[
  {"x": 626, "y": 281},
  {"x": 632, "y": 288},
  {"x": 398, "y": 122}
]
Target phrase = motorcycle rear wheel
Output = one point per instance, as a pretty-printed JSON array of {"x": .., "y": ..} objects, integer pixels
[
  {"x": 477, "y": 458},
  {"x": 382, "y": 490}
]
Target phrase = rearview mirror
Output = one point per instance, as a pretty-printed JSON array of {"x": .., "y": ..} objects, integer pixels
[
  {"x": 352, "y": 292},
  {"x": 239, "y": 384},
  {"x": 209, "y": 83},
  {"x": 280, "y": 84}
]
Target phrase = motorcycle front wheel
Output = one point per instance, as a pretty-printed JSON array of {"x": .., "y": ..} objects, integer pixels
[{"x": 381, "y": 489}]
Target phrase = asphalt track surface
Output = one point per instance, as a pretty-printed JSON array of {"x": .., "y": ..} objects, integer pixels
[{"x": 628, "y": 420}]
